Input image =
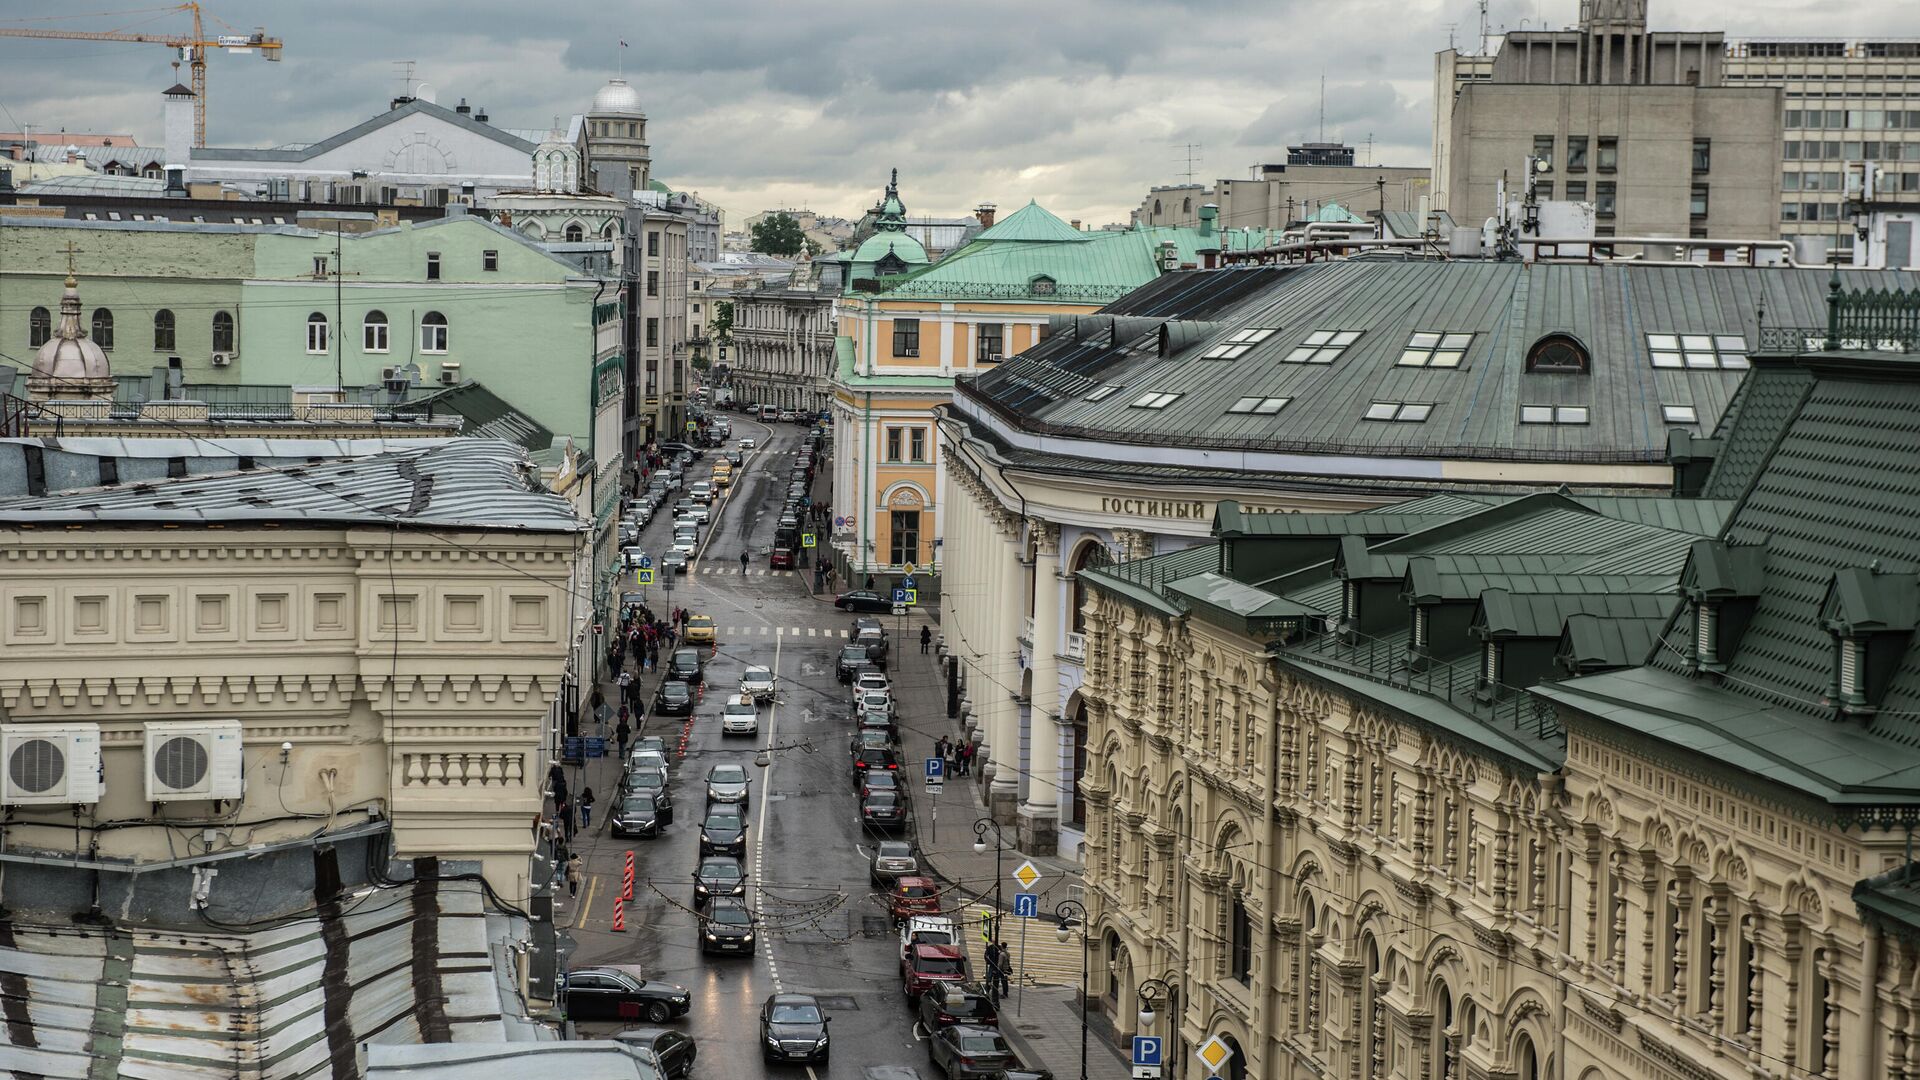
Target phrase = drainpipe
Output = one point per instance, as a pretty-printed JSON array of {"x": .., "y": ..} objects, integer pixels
[{"x": 1867, "y": 1064}]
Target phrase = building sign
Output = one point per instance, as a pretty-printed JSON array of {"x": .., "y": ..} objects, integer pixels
[{"x": 1180, "y": 509}]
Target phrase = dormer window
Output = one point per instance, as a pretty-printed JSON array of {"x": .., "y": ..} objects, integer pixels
[
  {"x": 1558, "y": 354},
  {"x": 1871, "y": 614},
  {"x": 1041, "y": 285},
  {"x": 889, "y": 265},
  {"x": 1490, "y": 665},
  {"x": 1705, "y": 647}
]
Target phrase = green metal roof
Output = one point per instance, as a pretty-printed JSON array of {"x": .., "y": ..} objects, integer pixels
[
  {"x": 1033, "y": 222},
  {"x": 1544, "y": 615},
  {"x": 880, "y": 244}
]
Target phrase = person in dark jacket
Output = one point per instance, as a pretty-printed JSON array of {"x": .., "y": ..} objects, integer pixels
[{"x": 926, "y": 639}]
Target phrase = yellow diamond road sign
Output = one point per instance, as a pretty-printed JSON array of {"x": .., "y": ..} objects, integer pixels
[
  {"x": 1026, "y": 874},
  {"x": 1214, "y": 1054}
]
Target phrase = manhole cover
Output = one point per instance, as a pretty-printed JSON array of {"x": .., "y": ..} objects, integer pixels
[
  {"x": 876, "y": 925},
  {"x": 1031, "y": 1037},
  {"x": 836, "y": 1001}
]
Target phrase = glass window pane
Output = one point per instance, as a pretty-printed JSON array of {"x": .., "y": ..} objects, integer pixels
[
  {"x": 1666, "y": 360},
  {"x": 1413, "y": 358},
  {"x": 1415, "y": 412},
  {"x": 1457, "y": 341},
  {"x": 1273, "y": 405},
  {"x": 1319, "y": 337},
  {"x": 1702, "y": 360},
  {"x": 1245, "y": 404},
  {"x": 1423, "y": 341},
  {"x": 1662, "y": 341},
  {"x": 1734, "y": 362},
  {"x": 1696, "y": 341},
  {"x": 1573, "y": 414},
  {"x": 1447, "y": 359},
  {"x": 1346, "y": 337},
  {"x": 1678, "y": 414},
  {"x": 1382, "y": 410},
  {"x": 1536, "y": 414},
  {"x": 1326, "y": 355},
  {"x": 1730, "y": 342}
]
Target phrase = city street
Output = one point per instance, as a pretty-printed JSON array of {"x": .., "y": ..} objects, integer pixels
[{"x": 823, "y": 931}]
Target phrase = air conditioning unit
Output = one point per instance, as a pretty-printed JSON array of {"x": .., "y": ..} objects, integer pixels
[
  {"x": 449, "y": 374},
  {"x": 223, "y": 359},
  {"x": 193, "y": 760},
  {"x": 49, "y": 765}
]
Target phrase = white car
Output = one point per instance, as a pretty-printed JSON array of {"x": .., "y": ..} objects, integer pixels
[
  {"x": 685, "y": 544},
  {"x": 740, "y": 716},
  {"x": 702, "y": 491},
  {"x": 688, "y": 522},
  {"x": 875, "y": 701},
  {"x": 746, "y": 444},
  {"x": 757, "y": 683},
  {"x": 870, "y": 681},
  {"x": 631, "y": 556},
  {"x": 647, "y": 759}
]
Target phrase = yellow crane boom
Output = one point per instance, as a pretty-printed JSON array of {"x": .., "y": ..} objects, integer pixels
[{"x": 193, "y": 49}]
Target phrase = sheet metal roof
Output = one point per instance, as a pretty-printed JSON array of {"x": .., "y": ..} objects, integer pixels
[
  {"x": 586, "y": 1059},
  {"x": 459, "y": 483}
]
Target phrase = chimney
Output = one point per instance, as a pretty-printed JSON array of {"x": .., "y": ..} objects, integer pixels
[
  {"x": 177, "y": 120},
  {"x": 463, "y": 108},
  {"x": 481, "y": 115},
  {"x": 1207, "y": 214},
  {"x": 985, "y": 213},
  {"x": 399, "y": 101},
  {"x": 1075, "y": 223}
]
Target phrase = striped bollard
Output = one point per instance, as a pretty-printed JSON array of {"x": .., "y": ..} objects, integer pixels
[
  {"x": 619, "y": 915},
  {"x": 626, "y": 890}
]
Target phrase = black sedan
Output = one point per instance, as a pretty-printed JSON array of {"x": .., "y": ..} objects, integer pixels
[
  {"x": 872, "y": 758},
  {"x": 969, "y": 1052},
  {"x": 642, "y": 813},
  {"x": 618, "y": 992},
  {"x": 864, "y": 600},
  {"x": 882, "y": 811},
  {"x": 727, "y": 927},
  {"x": 717, "y": 877},
  {"x": 947, "y": 1004},
  {"x": 852, "y": 659},
  {"x": 673, "y": 1050},
  {"x": 724, "y": 832},
  {"x": 674, "y": 698},
  {"x": 686, "y": 666},
  {"x": 793, "y": 1027}
]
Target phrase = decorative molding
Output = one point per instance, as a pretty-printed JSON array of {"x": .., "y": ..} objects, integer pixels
[{"x": 456, "y": 769}]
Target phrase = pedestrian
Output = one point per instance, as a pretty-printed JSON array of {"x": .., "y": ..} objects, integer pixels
[
  {"x": 653, "y": 658},
  {"x": 966, "y": 759},
  {"x": 926, "y": 639},
  {"x": 743, "y": 562},
  {"x": 626, "y": 686},
  {"x": 869, "y": 582},
  {"x": 996, "y": 977},
  {"x": 953, "y": 758},
  {"x": 684, "y": 616},
  {"x": 940, "y": 749},
  {"x": 563, "y": 814},
  {"x": 621, "y": 734},
  {"x": 576, "y": 873},
  {"x": 586, "y": 808},
  {"x": 557, "y": 783}
]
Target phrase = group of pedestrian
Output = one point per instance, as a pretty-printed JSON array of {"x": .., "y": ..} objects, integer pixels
[
  {"x": 958, "y": 754},
  {"x": 999, "y": 965},
  {"x": 641, "y": 637}
]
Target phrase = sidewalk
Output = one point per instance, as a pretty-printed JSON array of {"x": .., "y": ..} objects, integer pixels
[{"x": 1042, "y": 1015}]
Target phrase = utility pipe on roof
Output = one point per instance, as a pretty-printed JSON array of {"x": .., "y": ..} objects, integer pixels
[{"x": 1785, "y": 247}]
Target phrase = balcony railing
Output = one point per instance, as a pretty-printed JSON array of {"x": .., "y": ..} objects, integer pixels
[
  {"x": 1457, "y": 682},
  {"x": 1077, "y": 648}
]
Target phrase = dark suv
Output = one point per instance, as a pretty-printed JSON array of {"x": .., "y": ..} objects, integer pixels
[
  {"x": 946, "y": 1004},
  {"x": 852, "y": 658},
  {"x": 686, "y": 666},
  {"x": 674, "y": 698}
]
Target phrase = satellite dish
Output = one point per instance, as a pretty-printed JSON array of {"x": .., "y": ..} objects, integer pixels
[{"x": 425, "y": 93}]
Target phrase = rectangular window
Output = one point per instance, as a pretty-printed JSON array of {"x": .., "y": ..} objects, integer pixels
[
  {"x": 1603, "y": 199},
  {"x": 490, "y": 261},
  {"x": 1258, "y": 406},
  {"x": 917, "y": 444},
  {"x": 1242, "y": 944},
  {"x": 893, "y": 443},
  {"x": 906, "y": 337},
  {"x": 1238, "y": 344},
  {"x": 1830, "y": 149},
  {"x": 316, "y": 335},
  {"x": 1790, "y": 150},
  {"x": 1679, "y": 414},
  {"x": 1792, "y": 118},
  {"x": 1103, "y": 392},
  {"x": 1322, "y": 346},
  {"x": 373, "y": 336},
  {"x": 1702, "y": 155},
  {"x": 1543, "y": 190},
  {"x": 993, "y": 342},
  {"x": 319, "y": 266},
  {"x": 1553, "y": 414},
  {"x": 1697, "y": 202},
  {"x": 1790, "y": 211},
  {"x": 1576, "y": 153},
  {"x": 904, "y": 547},
  {"x": 1433, "y": 349},
  {"x": 1543, "y": 148},
  {"x": 1790, "y": 181},
  {"x": 1399, "y": 411},
  {"x": 1699, "y": 352},
  {"x": 1576, "y": 191},
  {"x": 653, "y": 283},
  {"x": 1155, "y": 401},
  {"x": 1607, "y": 159},
  {"x": 653, "y": 242},
  {"x": 433, "y": 266},
  {"x": 653, "y": 333}
]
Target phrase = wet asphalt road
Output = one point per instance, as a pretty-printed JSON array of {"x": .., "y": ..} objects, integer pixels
[{"x": 823, "y": 930}]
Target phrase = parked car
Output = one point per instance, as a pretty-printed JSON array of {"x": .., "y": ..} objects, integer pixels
[
  {"x": 882, "y": 811},
  {"x": 875, "y": 701},
  {"x": 673, "y": 1051},
  {"x": 927, "y": 930},
  {"x": 647, "y": 757},
  {"x": 892, "y": 859},
  {"x": 674, "y": 698},
  {"x": 871, "y": 757},
  {"x": 969, "y": 1052},
  {"x": 793, "y": 1027},
  {"x": 868, "y": 739},
  {"x": 729, "y": 784},
  {"x": 685, "y": 665},
  {"x": 870, "y": 681},
  {"x": 727, "y": 926},
  {"x": 740, "y": 716},
  {"x": 925, "y": 965},
  {"x": 718, "y": 876},
  {"x": 620, "y": 992},
  {"x": 724, "y": 832},
  {"x": 780, "y": 558},
  {"x": 650, "y": 782},
  {"x": 1022, "y": 1073},
  {"x": 863, "y": 600},
  {"x": 685, "y": 450},
  {"x": 878, "y": 780},
  {"x": 650, "y": 742},
  {"x": 758, "y": 682},
  {"x": 874, "y": 641},
  {"x": 946, "y": 1004},
  {"x": 871, "y": 720},
  {"x": 851, "y": 659},
  {"x": 642, "y": 813},
  {"x": 913, "y": 895},
  {"x": 700, "y": 630},
  {"x": 631, "y": 555}
]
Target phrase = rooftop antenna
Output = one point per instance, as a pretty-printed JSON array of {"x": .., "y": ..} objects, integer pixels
[
  {"x": 1323, "y": 106},
  {"x": 405, "y": 77},
  {"x": 1483, "y": 27},
  {"x": 1194, "y": 156}
]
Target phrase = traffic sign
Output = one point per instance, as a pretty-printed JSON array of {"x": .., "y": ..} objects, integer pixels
[
  {"x": 935, "y": 787},
  {"x": 839, "y": 521},
  {"x": 598, "y": 629},
  {"x": 913, "y": 596},
  {"x": 691, "y": 426},
  {"x": 646, "y": 562},
  {"x": 907, "y": 583},
  {"x": 1027, "y": 875},
  {"x": 806, "y": 540},
  {"x": 1214, "y": 1054},
  {"x": 1026, "y": 905},
  {"x": 936, "y": 769},
  {"x": 899, "y": 596},
  {"x": 596, "y": 746},
  {"x": 1146, "y": 1049},
  {"x": 645, "y": 577}
]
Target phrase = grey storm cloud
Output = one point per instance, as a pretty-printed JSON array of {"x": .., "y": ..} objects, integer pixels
[{"x": 1083, "y": 104}]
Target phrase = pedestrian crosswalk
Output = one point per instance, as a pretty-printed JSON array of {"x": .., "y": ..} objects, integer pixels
[
  {"x": 710, "y": 570},
  {"x": 734, "y": 633}
]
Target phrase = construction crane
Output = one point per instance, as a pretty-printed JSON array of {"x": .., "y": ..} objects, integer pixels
[{"x": 193, "y": 50}]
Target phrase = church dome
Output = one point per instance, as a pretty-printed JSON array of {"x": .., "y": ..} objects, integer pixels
[
  {"x": 898, "y": 244},
  {"x": 616, "y": 97},
  {"x": 70, "y": 365}
]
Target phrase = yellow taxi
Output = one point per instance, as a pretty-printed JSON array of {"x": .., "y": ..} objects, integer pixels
[
  {"x": 722, "y": 474},
  {"x": 699, "y": 630}
]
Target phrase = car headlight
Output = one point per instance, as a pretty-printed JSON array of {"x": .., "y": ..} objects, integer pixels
[
  {"x": 711, "y": 936},
  {"x": 820, "y": 1043},
  {"x": 772, "y": 1039},
  {"x": 748, "y": 936},
  {"x": 704, "y": 840}
]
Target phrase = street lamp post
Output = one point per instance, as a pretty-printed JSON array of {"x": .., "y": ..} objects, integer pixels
[
  {"x": 1150, "y": 992},
  {"x": 1068, "y": 912},
  {"x": 980, "y": 828}
]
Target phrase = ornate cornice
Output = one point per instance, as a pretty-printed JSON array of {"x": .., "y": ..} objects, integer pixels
[{"x": 97, "y": 691}]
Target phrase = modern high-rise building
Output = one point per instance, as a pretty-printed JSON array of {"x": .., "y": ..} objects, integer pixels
[{"x": 1686, "y": 158}]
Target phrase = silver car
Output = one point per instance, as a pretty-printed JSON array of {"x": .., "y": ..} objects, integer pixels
[
  {"x": 728, "y": 784},
  {"x": 758, "y": 683}
]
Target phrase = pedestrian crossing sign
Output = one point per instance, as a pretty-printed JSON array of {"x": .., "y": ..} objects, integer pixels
[
  {"x": 806, "y": 540},
  {"x": 643, "y": 577},
  {"x": 913, "y": 596}
]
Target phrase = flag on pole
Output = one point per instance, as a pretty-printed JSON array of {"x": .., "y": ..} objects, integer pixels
[{"x": 623, "y": 44}]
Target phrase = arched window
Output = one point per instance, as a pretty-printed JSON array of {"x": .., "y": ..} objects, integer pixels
[
  {"x": 39, "y": 327},
  {"x": 534, "y": 230},
  {"x": 1443, "y": 1039},
  {"x": 373, "y": 332},
  {"x": 1558, "y": 354},
  {"x": 222, "y": 332},
  {"x": 1156, "y": 206},
  {"x": 433, "y": 332},
  {"x": 162, "y": 330},
  {"x": 1526, "y": 1060},
  {"x": 1091, "y": 556},
  {"x": 574, "y": 232},
  {"x": 316, "y": 333},
  {"x": 103, "y": 328},
  {"x": 1186, "y": 206},
  {"x": 611, "y": 230}
]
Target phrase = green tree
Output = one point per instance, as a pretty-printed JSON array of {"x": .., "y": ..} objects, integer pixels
[
  {"x": 720, "y": 326},
  {"x": 778, "y": 234}
]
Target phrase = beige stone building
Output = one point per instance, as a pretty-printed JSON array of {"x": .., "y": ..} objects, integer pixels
[
  {"x": 1300, "y": 189},
  {"x": 1582, "y": 788},
  {"x": 783, "y": 344}
]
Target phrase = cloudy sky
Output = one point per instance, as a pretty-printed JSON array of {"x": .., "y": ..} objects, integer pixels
[{"x": 1081, "y": 104}]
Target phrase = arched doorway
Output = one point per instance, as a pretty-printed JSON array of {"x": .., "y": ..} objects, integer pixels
[
  {"x": 1236, "y": 1067},
  {"x": 1079, "y": 713}
]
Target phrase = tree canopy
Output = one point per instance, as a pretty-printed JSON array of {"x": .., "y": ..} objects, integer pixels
[{"x": 778, "y": 234}]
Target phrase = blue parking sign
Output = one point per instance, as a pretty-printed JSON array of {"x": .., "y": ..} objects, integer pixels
[
  {"x": 936, "y": 768},
  {"x": 1026, "y": 905},
  {"x": 1146, "y": 1050},
  {"x": 899, "y": 596}
]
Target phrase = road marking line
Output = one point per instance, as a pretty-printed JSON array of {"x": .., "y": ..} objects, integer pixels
[
  {"x": 586, "y": 902},
  {"x": 760, "y": 829},
  {"x": 811, "y": 632},
  {"x": 763, "y": 631}
]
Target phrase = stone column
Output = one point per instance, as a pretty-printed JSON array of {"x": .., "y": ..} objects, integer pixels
[
  {"x": 1040, "y": 814},
  {"x": 1003, "y": 671}
]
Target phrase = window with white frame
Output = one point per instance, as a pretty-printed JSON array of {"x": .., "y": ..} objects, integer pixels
[
  {"x": 1155, "y": 400},
  {"x": 316, "y": 333},
  {"x": 1553, "y": 414},
  {"x": 433, "y": 332},
  {"x": 1699, "y": 352},
  {"x": 1104, "y": 392},
  {"x": 1258, "y": 406},
  {"x": 1679, "y": 414},
  {"x": 373, "y": 332},
  {"x": 1238, "y": 344},
  {"x": 1426, "y": 348},
  {"x": 1322, "y": 346},
  {"x": 1406, "y": 412}
]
